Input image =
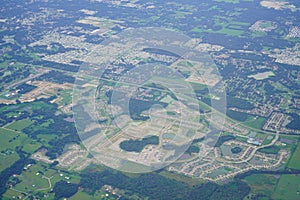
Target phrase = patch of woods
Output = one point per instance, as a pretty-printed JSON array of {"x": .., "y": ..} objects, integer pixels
[
  {"x": 17, "y": 74},
  {"x": 295, "y": 123},
  {"x": 138, "y": 145},
  {"x": 136, "y": 107},
  {"x": 24, "y": 88},
  {"x": 56, "y": 77},
  {"x": 63, "y": 189},
  {"x": 239, "y": 116},
  {"x": 193, "y": 148},
  {"x": 238, "y": 103},
  {"x": 224, "y": 138},
  {"x": 155, "y": 186},
  {"x": 270, "y": 150},
  {"x": 54, "y": 65}
]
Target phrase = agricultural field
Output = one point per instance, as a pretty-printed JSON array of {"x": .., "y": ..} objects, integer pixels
[
  {"x": 37, "y": 178},
  {"x": 288, "y": 187},
  {"x": 19, "y": 125},
  {"x": 7, "y": 157},
  {"x": 294, "y": 163},
  {"x": 12, "y": 139},
  {"x": 98, "y": 195}
]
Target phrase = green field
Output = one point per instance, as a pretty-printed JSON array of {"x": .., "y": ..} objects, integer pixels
[
  {"x": 181, "y": 178},
  {"x": 228, "y": 31},
  {"x": 255, "y": 122},
  {"x": 7, "y": 159},
  {"x": 81, "y": 195},
  {"x": 19, "y": 125},
  {"x": 10, "y": 194},
  {"x": 288, "y": 187},
  {"x": 261, "y": 183},
  {"x": 270, "y": 150},
  {"x": 295, "y": 160},
  {"x": 31, "y": 181},
  {"x": 98, "y": 195},
  {"x": 11, "y": 139},
  {"x": 224, "y": 30},
  {"x": 66, "y": 97},
  {"x": 31, "y": 146}
]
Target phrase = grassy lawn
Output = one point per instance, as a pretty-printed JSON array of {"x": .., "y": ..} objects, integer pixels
[
  {"x": 268, "y": 140},
  {"x": 295, "y": 160},
  {"x": 288, "y": 187},
  {"x": 255, "y": 123}
]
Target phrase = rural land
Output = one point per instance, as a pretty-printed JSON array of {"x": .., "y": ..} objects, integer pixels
[{"x": 134, "y": 99}]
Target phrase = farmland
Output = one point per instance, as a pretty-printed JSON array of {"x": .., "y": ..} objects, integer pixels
[
  {"x": 288, "y": 187},
  {"x": 203, "y": 95},
  {"x": 294, "y": 163}
]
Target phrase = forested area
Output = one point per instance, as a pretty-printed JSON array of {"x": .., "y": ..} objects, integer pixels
[
  {"x": 55, "y": 65},
  {"x": 224, "y": 138},
  {"x": 63, "y": 189},
  {"x": 136, "y": 107},
  {"x": 138, "y": 145},
  {"x": 46, "y": 121},
  {"x": 239, "y": 116},
  {"x": 156, "y": 186},
  {"x": 57, "y": 77},
  {"x": 270, "y": 150},
  {"x": 238, "y": 103},
  {"x": 24, "y": 88},
  {"x": 295, "y": 123}
]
